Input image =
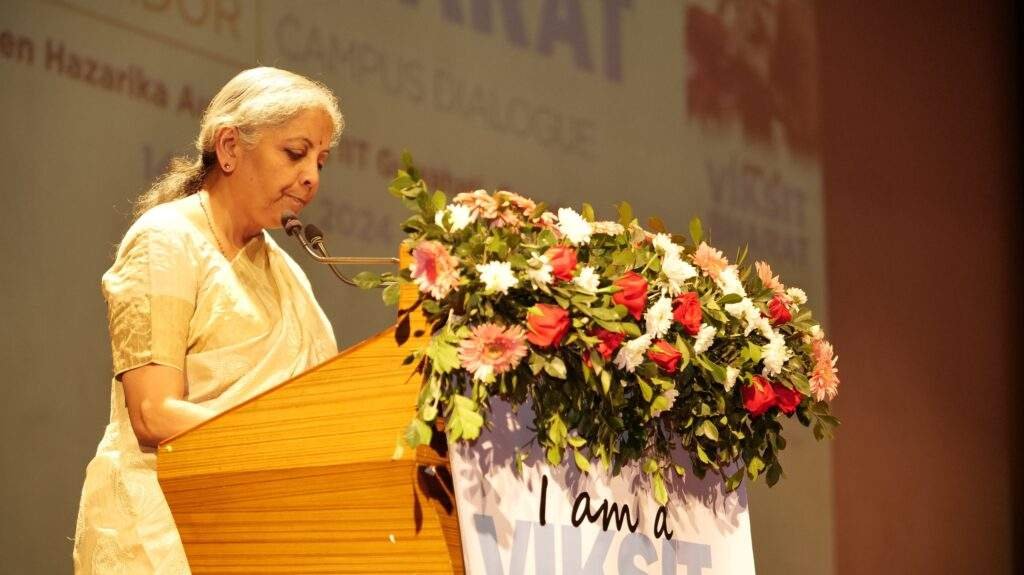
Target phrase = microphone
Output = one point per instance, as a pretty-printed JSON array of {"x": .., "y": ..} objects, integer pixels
[
  {"x": 290, "y": 222},
  {"x": 314, "y": 235},
  {"x": 315, "y": 238},
  {"x": 312, "y": 240}
]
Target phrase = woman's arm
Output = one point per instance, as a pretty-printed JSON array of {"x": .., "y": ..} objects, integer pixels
[{"x": 155, "y": 397}]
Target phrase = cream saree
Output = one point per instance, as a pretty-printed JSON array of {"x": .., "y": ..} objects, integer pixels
[{"x": 235, "y": 328}]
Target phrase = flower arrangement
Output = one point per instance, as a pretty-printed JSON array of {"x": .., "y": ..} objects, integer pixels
[{"x": 627, "y": 343}]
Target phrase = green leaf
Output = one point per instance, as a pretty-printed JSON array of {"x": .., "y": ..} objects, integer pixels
[
  {"x": 645, "y": 389},
  {"x": 390, "y": 295},
  {"x": 730, "y": 298},
  {"x": 444, "y": 356},
  {"x": 660, "y": 493},
  {"x": 629, "y": 328},
  {"x": 537, "y": 363},
  {"x": 606, "y": 381},
  {"x": 418, "y": 433},
  {"x": 733, "y": 481},
  {"x": 431, "y": 307},
  {"x": 625, "y": 213},
  {"x": 754, "y": 351},
  {"x": 800, "y": 382},
  {"x": 588, "y": 212},
  {"x": 754, "y": 467},
  {"x": 702, "y": 455},
  {"x": 696, "y": 231},
  {"x": 367, "y": 280},
  {"x": 555, "y": 367},
  {"x": 554, "y": 455},
  {"x": 709, "y": 430},
  {"x": 581, "y": 461},
  {"x": 557, "y": 431},
  {"x": 464, "y": 422},
  {"x": 438, "y": 200},
  {"x": 650, "y": 466}
]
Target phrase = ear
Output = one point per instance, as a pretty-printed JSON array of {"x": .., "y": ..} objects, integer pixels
[{"x": 228, "y": 147}]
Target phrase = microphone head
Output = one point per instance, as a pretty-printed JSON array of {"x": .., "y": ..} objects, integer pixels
[
  {"x": 313, "y": 234},
  {"x": 290, "y": 222}
]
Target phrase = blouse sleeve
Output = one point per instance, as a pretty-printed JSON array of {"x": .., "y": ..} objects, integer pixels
[{"x": 151, "y": 297}]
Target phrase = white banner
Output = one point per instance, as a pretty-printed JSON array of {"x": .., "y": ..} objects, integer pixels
[{"x": 557, "y": 520}]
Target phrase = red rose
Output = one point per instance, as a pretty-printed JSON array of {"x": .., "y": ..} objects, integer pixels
[
  {"x": 666, "y": 356},
  {"x": 632, "y": 293},
  {"x": 759, "y": 396},
  {"x": 779, "y": 312},
  {"x": 548, "y": 326},
  {"x": 787, "y": 399},
  {"x": 686, "y": 310},
  {"x": 610, "y": 341},
  {"x": 563, "y": 262}
]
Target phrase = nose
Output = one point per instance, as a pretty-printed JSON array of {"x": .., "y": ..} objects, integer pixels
[{"x": 310, "y": 178}]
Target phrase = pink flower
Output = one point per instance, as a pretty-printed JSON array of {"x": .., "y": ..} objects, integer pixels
[
  {"x": 764, "y": 271},
  {"x": 513, "y": 209},
  {"x": 824, "y": 378},
  {"x": 433, "y": 269},
  {"x": 710, "y": 260},
  {"x": 521, "y": 203},
  {"x": 492, "y": 349},
  {"x": 482, "y": 203}
]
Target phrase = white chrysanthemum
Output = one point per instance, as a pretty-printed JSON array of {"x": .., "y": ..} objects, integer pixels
[
  {"x": 705, "y": 337},
  {"x": 775, "y": 354},
  {"x": 798, "y": 295},
  {"x": 497, "y": 276},
  {"x": 460, "y": 216},
  {"x": 664, "y": 244},
  {"x": 587, "y": 280},
  {"x": 764, "y": 326},
  {"x": 731, "y": 373},
  {"x": 540, "y": 270},
  {"x": 729, "y": 281},
  {"x": 676, "y": 271},
  {"x": 670, "y": 396},
  {"x": 573, "y": 226},
  {"x": 659, "y": 317},
  {"x": 745, "y": 311},
  {"x": 816, "y": 332},
  {"x": 631, "y": 354}
]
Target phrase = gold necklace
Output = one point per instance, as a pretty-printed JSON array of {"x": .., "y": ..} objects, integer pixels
[{"x": 209, "y": 222}]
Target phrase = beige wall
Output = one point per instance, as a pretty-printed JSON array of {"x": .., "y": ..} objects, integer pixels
[{"x": 922, "y": 187}]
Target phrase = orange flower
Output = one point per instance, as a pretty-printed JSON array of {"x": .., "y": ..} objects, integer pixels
[{"x": 710, "y": 260}]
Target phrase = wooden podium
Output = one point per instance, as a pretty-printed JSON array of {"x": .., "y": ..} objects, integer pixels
[{"x": 302, "y": 479}]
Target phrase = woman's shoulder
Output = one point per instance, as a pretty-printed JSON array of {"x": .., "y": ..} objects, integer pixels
[{"x": 171, "y": 222}]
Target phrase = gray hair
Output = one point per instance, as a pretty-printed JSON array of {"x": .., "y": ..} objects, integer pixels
[{"x": 253, "y": 100}]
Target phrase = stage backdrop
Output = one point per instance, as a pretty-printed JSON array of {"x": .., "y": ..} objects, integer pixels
[{"x": 703, "y": 108}]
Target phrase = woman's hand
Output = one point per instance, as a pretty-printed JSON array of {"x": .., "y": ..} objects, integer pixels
[{"x": 155, "y": 397}]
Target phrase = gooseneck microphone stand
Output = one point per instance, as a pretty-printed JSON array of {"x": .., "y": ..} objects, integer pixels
[{"x": 312, "y": 240}]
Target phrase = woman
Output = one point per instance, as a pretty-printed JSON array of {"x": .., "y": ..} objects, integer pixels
[{"x": 205, "y": 309}]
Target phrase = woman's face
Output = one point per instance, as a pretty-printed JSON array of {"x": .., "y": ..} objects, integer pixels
[{"x": 282, "y": 171}]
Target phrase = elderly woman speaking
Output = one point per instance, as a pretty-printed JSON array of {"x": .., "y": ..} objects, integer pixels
[{"x": 205, "y": 309}]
